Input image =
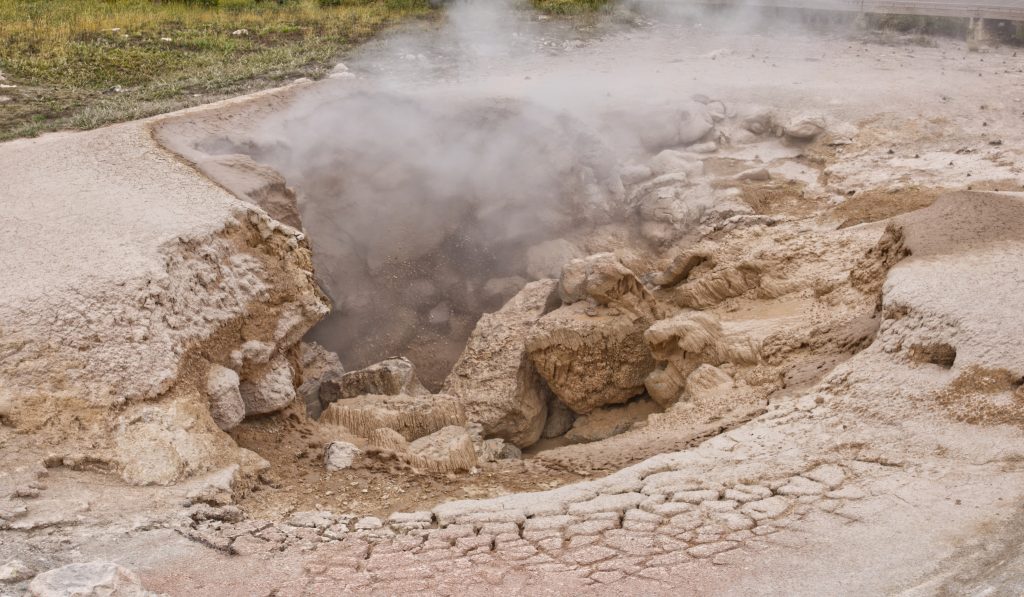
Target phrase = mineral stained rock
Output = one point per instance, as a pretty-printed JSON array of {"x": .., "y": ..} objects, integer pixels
[{"x": 495, "y": 380}]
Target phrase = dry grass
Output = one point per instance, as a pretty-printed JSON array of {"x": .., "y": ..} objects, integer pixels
[{"x": 84, "y": 63}]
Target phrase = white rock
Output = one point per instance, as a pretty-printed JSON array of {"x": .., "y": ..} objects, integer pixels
[
  {"x": 92, "y": 579},
  {"x": 340, "y": 455},
  {"x": 15, "y": 571},
  {"x": 801, "y": 486},
  {"x": 314, "y": 519},
  {"x": 671, "y": 161},
  {"x": 368, "y": 523},
  {"x": 805, "y": 127}
]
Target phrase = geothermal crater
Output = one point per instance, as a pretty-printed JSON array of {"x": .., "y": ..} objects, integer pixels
[{"x": 648, "y": 308}]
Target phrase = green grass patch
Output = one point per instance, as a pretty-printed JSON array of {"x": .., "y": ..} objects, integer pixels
[
  {"x": 569, "y": 7},
  {"x": 86, "y": 63}
]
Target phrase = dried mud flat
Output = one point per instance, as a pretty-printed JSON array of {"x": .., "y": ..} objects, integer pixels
[{"x": 851, "y": 420}]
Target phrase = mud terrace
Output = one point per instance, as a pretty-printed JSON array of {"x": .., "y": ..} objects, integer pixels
[{"x": 695, "y": 314}]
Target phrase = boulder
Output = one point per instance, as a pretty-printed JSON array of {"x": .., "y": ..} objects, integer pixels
[
  {"x": 226, "y": 405},
  {"x": 560, "y": 419},
  {"x": 604, "y": 422},
  {"x": 411, "y": 416},
  {"x": 494, "y": 449},
  {"x": 494, "y": 379},
  {"x": 716, "y": 283},
  {"x": 805, "y": 127},
  {"x": 161, "y": 443},
  {"x": 271, "y": 390},
  {"x": 92, "y": 579},
  {"x": 318, "y": 362},
  {"x": 546, "y": 259},
  {"x": 667, "y": 213},
  {"x": 447, "y": 450},
  {"x": 683, "y": 343},
  {"x": 387, "y": 378},
  {"x": 604, "y": 280},
  {"x": 339, "y": 456},
  {"x": 591, "y": 357}
]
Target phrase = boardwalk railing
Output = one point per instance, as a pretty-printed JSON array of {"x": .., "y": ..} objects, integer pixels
[{"x": 1011, "y": 10}]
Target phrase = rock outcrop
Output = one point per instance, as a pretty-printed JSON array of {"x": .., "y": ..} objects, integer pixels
[
  {"x": 387, "y": 378},
  {"x": 93, "y": 579},
  {"x": 269, "y": 391},
  {"x": 495, "y": 380},
  {"x": 588, "y": 359},
  {"x": 411, "y": 416},
  {"x": 254, "y": 182},
  {"x": 683, "y": 343},
  {"x": 590, "y": 351},
  {"x": 172, "y": 283},
  {"x": 447, "y": 450},
  {"x": 226, "y": 405}
]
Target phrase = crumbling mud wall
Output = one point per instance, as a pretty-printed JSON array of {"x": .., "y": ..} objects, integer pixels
[{"x": 121, "y": 369}]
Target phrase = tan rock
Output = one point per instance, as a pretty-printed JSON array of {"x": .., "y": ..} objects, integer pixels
[
  {"x": 387, "y": 439},
  {"x": 604, "y": 422},
  {"x": 713, "y": 287},
  {"x": 684, "y": 342},
  {"x": 411, "y": 416},
  {"x": 449, "y": 449},
  {"x": 706, "y": 381},
  {"x": 226, "y": 405},
  {"x": 606, "y": 281},
  {"x": 271, "y": 390},
  {"x": 495, "y": 380},
  {"x": 388, "y": 378},
  {"x": 589, "y": 356}
]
